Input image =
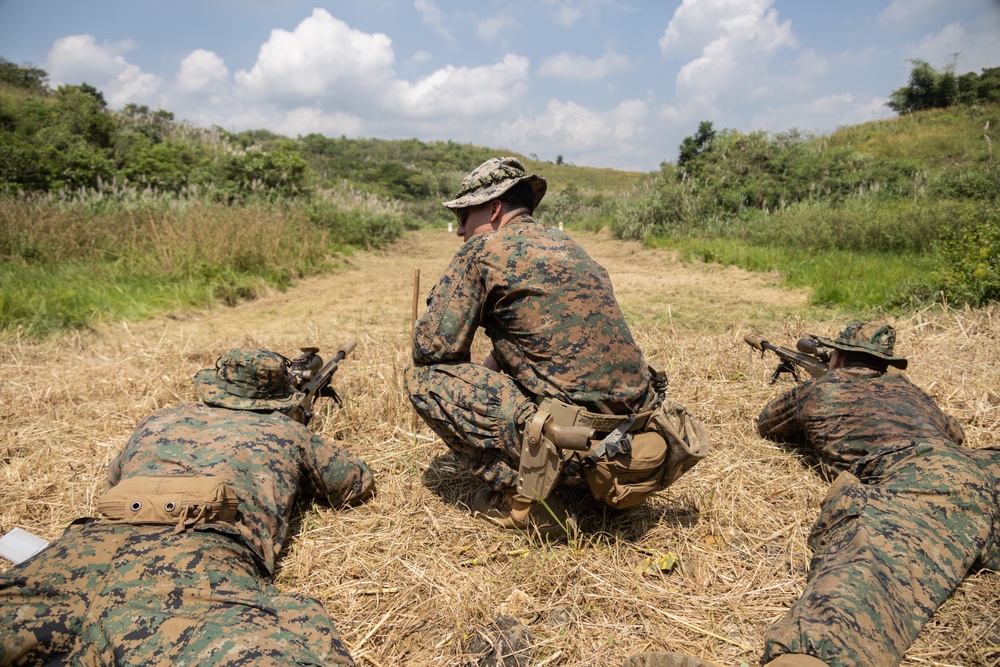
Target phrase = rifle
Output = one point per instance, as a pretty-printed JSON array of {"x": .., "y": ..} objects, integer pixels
[
  {"x": 311, "y": 377},
  {"x": 811, "y": 356}
]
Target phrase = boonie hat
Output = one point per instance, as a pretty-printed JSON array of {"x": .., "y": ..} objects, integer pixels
[
  {"x": 248, "y": 379},
  {"x": 875, "y": 338},
  {"x": 493, "y": 178}
]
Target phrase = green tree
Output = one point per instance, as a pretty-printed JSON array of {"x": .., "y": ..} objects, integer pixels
[
  {"x": 693, "y": 146},
  {"x": 929, "y": 89},
  {"x": 279, "y": 172},
  {"x": 32, "y": 79},
  {"x": 919, "y": 93}
]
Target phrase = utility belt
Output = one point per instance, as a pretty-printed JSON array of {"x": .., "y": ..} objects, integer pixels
[
  {"x": 625, "y": 458},
  {"x": 183, "y": 501}
]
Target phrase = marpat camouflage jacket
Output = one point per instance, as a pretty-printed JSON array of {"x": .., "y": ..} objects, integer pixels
[
  {"x": 549, "y": 310},
  {"x": 851, "y": 412},
  {"x": 265, "y": 457}
]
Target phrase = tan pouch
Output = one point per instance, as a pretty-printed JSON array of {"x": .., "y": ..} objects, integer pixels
[
  {"x": 686, "y": 437},
  {"x": 627, "y": 479},
  {"x": 181, "y": 500}
]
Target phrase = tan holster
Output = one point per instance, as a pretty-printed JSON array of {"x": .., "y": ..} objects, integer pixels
[{"x": 180, "y": 500}]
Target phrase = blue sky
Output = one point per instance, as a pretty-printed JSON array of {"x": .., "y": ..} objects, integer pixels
[{"x": 604, "y": 83}]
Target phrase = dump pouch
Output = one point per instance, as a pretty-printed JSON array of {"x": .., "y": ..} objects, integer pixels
[
  {"x": 628, "y": 477},
  {"x": 181, "y": 500},
  {"x": 686, "y": 438}
]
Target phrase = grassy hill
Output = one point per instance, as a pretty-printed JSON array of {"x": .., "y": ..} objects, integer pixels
[{"x": 888, "y": 214}]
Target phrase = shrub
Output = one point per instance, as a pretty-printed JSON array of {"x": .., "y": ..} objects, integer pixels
[{"x": 969, "y": 260}]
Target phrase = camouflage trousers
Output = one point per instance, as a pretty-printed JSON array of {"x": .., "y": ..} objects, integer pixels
[
  {"x": 119, "y": 594},
  {"x": 892, "y": 541},
  {"x": 477, "y": 412}
]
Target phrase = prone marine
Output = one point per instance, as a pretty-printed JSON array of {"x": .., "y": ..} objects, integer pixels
[
  {"x": 195, "y": 513},
  {"x": 910, "y": 514}
]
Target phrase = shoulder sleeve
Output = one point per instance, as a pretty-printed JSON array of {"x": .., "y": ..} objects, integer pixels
[
  {"x": 779, "y": 420},
  {"x": 955, "y": 431},
  {"x": 454, "y": 309},
  {"x": 114, "y": 473},
  {"x": 337, "y": 476}
]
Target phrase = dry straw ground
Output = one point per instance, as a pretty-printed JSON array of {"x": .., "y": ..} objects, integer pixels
[{"x": 396, "y": 573}]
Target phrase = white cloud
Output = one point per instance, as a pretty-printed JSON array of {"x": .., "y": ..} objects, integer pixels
[
  {"x": 568, "y": 12},
  {"x": 306, "y": 120},
  {"x": 583, "y": 135},
  {"x": 580, "y": 68},
  {"x": 419, "y": 57},
  {"x": 971, "y": 50},
  {"x": 492, "y": 26},
  {"x": 698, "y": 24},
  {"x": 323, "y": 56},
  {"x": 565, "y": 14},
  {"x": 432, "y": 16},
  {"x": 907, "y": 13},
  {"x": 79, "y": 59},
  {"x": 461, "y": 91},
  {"x": 734, "y": 42},
  {"x": 202, "y": 71}
]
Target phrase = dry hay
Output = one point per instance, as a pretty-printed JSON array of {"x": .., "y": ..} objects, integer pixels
[{"x": 397, "y": 573}]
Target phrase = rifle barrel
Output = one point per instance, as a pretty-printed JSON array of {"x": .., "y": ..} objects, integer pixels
[
  {"x": 755, "y": 341},
  {"x": 348, "y": 347},
  {"x": 811, "y": 364}
]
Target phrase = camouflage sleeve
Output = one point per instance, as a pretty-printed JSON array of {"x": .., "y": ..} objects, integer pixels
[
  {"x": 955, "y": 430},
  {"x": 337, "y": 476},
  {"x": 114, "y": 474},
  {"x": 779, "y": 420},
  {"x": 454, "y": 309}
]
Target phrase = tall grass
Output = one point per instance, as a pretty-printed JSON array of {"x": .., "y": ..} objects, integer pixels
[
  {"x": 72, "y": 258},
  {"x": 851, "y": 279}
]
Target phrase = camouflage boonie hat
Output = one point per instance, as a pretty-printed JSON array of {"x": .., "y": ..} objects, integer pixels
[
  {"x": 248, "y": 380},
  {"x": 493, "y": 178},
  {"x": 875, "y": 338}
]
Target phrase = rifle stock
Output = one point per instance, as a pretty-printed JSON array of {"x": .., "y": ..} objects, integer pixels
[
  {"x": 312, "y": 377},
  {"x": 811, "y": 357}
]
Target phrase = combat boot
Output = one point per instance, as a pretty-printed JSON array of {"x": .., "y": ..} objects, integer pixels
[{"x": 549, "y": 519}]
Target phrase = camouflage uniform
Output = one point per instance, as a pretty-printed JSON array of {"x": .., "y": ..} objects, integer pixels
[
  {"x": 145, "y": 594},
  {"x": 912, "y": 512},
  {"x": 556, "y": 328}
]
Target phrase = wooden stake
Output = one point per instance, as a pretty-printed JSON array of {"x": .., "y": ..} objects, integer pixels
[
  {"x": 413, "y": 329},
  {"x": 416, "y": 299}
]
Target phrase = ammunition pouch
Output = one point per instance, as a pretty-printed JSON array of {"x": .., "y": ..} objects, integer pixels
[
  {"x": 179, "y": 500},
  {"x": 625, "y": 458}
]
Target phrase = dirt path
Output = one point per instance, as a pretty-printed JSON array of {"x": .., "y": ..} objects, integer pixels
[
  {"x": 394, "y": 572},
  {"x": 373, "y": 297}
]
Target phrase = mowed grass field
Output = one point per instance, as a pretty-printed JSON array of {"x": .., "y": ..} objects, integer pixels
[{"x": 409, "y": 577}]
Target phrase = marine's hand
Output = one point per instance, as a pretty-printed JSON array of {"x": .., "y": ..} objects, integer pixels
[{"x": 491, "y": 363}]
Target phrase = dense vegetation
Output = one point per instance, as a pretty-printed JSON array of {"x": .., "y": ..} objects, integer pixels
[
  {"x": 112, "y": 214},
  {"x": 121, "y": 214},
  {"x": 889, "y": 213}
]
